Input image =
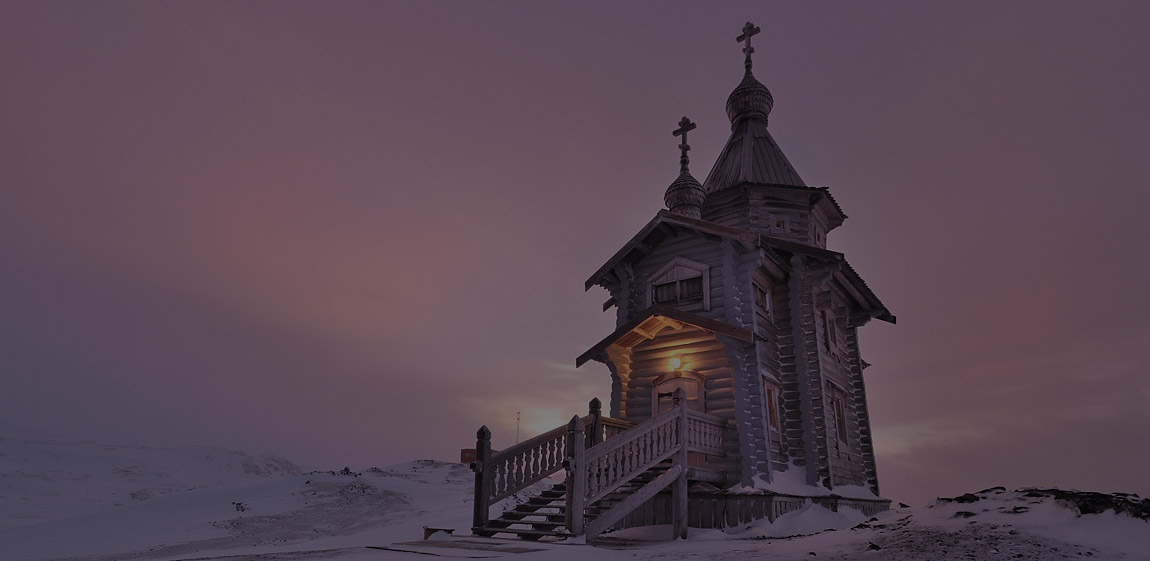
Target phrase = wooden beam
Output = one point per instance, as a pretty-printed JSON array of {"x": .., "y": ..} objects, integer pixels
[{"x": 629, "y": 504}]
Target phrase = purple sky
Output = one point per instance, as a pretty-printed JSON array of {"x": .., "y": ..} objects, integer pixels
[{"x": 353, "y": 232}]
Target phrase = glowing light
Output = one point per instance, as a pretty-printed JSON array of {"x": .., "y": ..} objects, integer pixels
[{"x": 676, "y": 363}]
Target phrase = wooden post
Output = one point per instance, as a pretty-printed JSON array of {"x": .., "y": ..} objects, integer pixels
[
  {"x": 679, "y": 489},
  {"x": 482, "y": 481},
  {"x": 595, "y": 409},
  {"x": 576, "y": 475}
]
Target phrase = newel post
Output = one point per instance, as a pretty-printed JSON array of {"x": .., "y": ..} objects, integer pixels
[
  {"x": 482, "y": 481},
  {"x": 595, "y": 410},
  {"x": 576, "y": 475},
  {"x": 679, "y": 489}
]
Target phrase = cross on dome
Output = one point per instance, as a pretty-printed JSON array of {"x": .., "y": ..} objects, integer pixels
[
  {"x": 749, "y": 30},
  {"x": 685, "y": 125}
]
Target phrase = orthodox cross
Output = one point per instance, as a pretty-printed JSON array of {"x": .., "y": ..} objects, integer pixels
[
  {"x": 749, "y": 30},
  {"x": 685, "y": 125}
]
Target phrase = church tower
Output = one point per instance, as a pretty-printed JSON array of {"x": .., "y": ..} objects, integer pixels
[{"x": 731, "y": 296}]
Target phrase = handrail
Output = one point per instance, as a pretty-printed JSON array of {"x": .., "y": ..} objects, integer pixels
[
  {"x": 524, "y": 464},
  {"x": 612, "y": 464},
  {"x": 705, "y": 433},
  {"x": 601, "y": 454},
  {"x": 501, "y": 474}
]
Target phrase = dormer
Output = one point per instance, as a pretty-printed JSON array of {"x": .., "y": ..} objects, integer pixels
[{"x": 683, "y": 284}]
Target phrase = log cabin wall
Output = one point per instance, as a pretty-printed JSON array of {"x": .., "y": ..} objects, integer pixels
[
  {"x": 793, "y": 395},
  {"x": 786, "y": 220},
  {"x": 809, "y": 380},
  {"x": 843, "y": 453},
  {"x": 862, "y": 414},
  {"x": 771, "y": 320},
  {"x": 738, "y": 267},
  {"x": 728, "y": 207},
  {"x": 781, "y": 213},
  {"x": 699, "y": 351}
]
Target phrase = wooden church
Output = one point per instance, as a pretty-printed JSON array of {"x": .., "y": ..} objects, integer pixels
[{"x": 737, "y": 386}]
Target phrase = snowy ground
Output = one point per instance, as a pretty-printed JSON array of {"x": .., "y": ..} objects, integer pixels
[{"x": 81, "y": 501}]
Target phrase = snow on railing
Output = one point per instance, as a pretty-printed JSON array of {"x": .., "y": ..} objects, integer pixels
[{"x": 501, "y": 474}]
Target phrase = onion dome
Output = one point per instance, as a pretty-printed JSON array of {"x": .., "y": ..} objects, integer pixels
[
  {"x": 750, "y": 100},
  {"x": 750, "y": 155},
  {"x": 685, "y": 196}
]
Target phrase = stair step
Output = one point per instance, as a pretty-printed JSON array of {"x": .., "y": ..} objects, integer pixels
[
  {"x": 528, "y": 533},
  {"x": 541, "y": 501}
]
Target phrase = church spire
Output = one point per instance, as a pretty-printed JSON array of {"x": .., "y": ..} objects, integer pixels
[
  {"x": 751, "y": 155},
  {"x": 685, "y": 195}
]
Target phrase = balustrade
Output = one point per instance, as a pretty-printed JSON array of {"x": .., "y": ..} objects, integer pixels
[{"x": 610, "y": 453}]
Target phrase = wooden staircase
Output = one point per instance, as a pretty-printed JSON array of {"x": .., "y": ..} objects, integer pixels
[
  {"x": 546, "y": 514},
  {"x": 612, "y": 467},
  {"x": 542, "y": 515}
]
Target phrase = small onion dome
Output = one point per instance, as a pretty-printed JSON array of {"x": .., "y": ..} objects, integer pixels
[
  {"x": 685, "y": 196},
  {"x": 751, "y": 99}
]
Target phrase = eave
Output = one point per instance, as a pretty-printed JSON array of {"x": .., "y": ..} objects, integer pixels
[
  {"x": 665, "y": 223},
  {"x": 669, "y": 316}
]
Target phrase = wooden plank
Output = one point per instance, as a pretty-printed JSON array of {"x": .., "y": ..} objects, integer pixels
[{"x": 607, "y": 519}]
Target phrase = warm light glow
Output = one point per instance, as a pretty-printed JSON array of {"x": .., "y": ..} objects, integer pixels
[{"x": 676, "y": 363}]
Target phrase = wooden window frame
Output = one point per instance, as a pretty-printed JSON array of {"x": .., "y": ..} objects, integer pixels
[
  {"x": 838, "y": 408},
  {"x": 773, "y": 220},
  {"x": 659, "y": 278},
  {"x": 771, "y": 399}
]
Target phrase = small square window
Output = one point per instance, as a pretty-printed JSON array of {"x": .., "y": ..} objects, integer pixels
[{"x": 779, "y": 224}]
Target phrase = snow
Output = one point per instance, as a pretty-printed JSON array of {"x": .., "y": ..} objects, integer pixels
[
  {"x": 793, "y": 482},
  {"x": 74, "y": 501},
  {"x": 811, "y": 519},
  {"x": 42, "y": 476}
]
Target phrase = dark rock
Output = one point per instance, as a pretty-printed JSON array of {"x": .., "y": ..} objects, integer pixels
[
  {"x": 873, "y": 546},
  {"x": 964, "y": 514},
  {"x": 1095, "y": 503}
]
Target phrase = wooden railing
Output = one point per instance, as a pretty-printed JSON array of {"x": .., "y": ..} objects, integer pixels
[
  {"x": 526, "y": 463},
  {"x": 605, "y": 468},
  {"x": 601, "y": 455},
  {"x": 612, "y": 464},
  {"x": 704, "y": 433},
  {"x": 501, "y": 474}
]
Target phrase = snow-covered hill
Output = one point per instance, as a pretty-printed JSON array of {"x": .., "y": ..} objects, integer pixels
[
  {"x": 44, "y": 477},
  {"x": 267, "y": 511}
]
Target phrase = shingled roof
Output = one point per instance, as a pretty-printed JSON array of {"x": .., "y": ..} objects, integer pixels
[{"x": 751, "y": 156}]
